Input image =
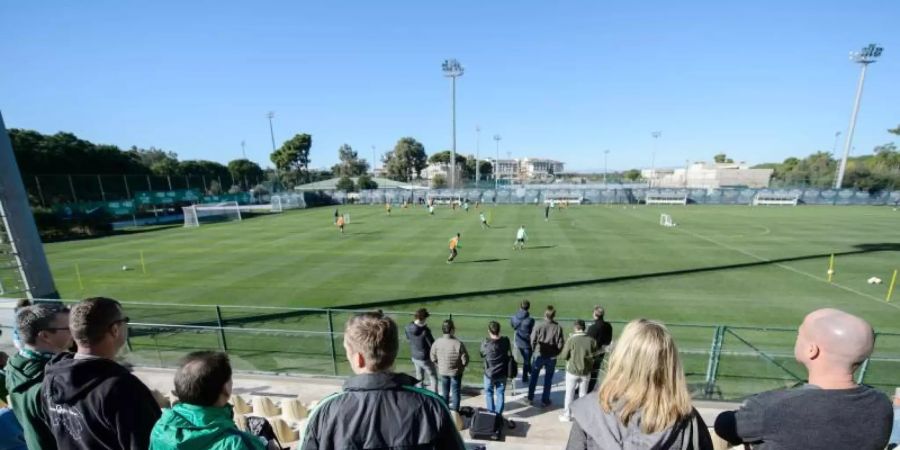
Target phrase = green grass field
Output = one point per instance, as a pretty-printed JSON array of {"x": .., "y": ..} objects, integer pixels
[{"x": 722, "y": 265}]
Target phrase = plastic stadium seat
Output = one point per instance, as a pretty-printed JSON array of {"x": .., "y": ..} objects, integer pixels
[
  {"x": 283, "y": 431},
  {"x": 293, "y": 410},
  {"x": 265, "y": 407},
  {"x": 240, "y": 405}
]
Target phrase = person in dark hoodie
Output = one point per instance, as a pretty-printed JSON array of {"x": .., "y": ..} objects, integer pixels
[
  {"x": 420, "y": 340},
  {"x": 602, "y": 332},
  {"x": 643, "y": 402},
  {"x": 523, "y": 324},
  {"x": 495, "y": 351},
  {"x": 378, "y": 408},
  {"x": 44, "y": 331},
  {"x": 91, "y": 401},
  {"x": 202, "y": 419}
]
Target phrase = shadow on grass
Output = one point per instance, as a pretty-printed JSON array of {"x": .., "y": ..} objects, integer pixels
[
  {"x": 860, "y": 249},
  {"x": 484, "y": 260}
]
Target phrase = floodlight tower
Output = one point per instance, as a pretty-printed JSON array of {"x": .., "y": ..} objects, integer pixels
[
  {"x": 656, "y": 135},
  {"x": 271, "y": 115},
  {"x": 605, "y": 167},
  {"x": 477, "y": 148},
  {"x": 863, "y": 57},
  {"x": 452, "y": 69},
  {"x": 497, "y": 163}
]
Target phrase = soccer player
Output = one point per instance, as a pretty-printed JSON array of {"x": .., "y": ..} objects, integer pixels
[
  {"x": 336, "y": 214},
  {"x": 547, "y": 213},
  {"x": 484, "y": 223},
  {"x": 387, "y": 208},
  {"x": 520, "y": 239},
  {"x": 340, "y": 223},
  {"x": 431, "y": 209},
  {"x": 466, "y": 206},
  {"x": 454, "y": 245}
]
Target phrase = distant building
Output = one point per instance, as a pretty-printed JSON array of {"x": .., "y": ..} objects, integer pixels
[
  {"x": 526, "y": 169},
  {"x": 441, "y": 169},
  {"x": 702, "y": 175}
]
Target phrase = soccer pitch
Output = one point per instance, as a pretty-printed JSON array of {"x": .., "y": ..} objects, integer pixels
[{"x": 722, "y": 265}]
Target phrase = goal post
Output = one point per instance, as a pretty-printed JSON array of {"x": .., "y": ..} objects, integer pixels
[
  {"x": 194, "y": 215},
  {"x": 666, "y": 220}
]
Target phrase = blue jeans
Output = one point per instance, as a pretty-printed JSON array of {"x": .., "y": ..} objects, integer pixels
[
  {"x": 492, "y": 388},
  {"x": 526, "y": 363},
  {"x": 425, "y": 368},
  {"x": 549, "y": 366},
  {"x": 450, "y": 390}
]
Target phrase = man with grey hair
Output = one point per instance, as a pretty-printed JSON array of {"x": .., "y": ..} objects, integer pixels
[
  {"x": 831, "y": 411},
  {"x": 602, "y": 332},
  {"x": 44, "y": 332}
]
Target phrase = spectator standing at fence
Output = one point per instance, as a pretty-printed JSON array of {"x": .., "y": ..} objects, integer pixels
[
  {"x": 451, "y": 357},
  {"x": 602, "y": 332},
  {"x": 420, "y": 342},
  {"x": 578, "y": 352},
  {"x": 378, "y": 408},
  {"x": 202, "y": 419},
  {"x": 523, "y": 323},
  {"x": 495, "y": 352},
  {"x": 831, "y": 411},
  {"x": 91, "y": 401},
  {"x": 643, "y": 402},
  {"x": 547, "y": 341},
  {"x": 44, "y": 330}
]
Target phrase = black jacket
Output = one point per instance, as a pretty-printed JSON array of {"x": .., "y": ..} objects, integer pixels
[
  {"x": 496, "y": 358},
  {"x": 420, "y": 340},
  {"x": 601, "y": 331},
  {"x": 97, "y": 404},
  {"x": 523, "y": 324},
  {"x": 381, "y": 411}
]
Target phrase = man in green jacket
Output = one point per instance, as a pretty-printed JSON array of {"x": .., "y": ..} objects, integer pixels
[
  {"x": 44, "y": 331},
  {"x": 203, "y": 420},
  {"x": 579, "y": 354}
]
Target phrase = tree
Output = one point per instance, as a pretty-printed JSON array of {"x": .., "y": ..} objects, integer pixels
[
  {"x": 406, "y": 161},
  {"x": 160, "y": 162},
  {"x": 293, "y": 157},
  {"x": 632, "y": 175},
  {"x": 350, "y": 164},
  {"x": 344, "y": 184},
  {"x": 208, "y": 170},
  {"x": 214, "y": 187},
  {"x": 244, "y": 171},
  {"x": 439, "y": 181},
  {"x": 722, "y": 158},
  {"x": 366, "y": 182},
  {"x": 465, "y": 166}
]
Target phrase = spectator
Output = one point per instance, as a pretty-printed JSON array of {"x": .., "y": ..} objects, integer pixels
[
  {"x": 547, "y": 342},
  {"x": 420, "y": 341},
  {"x": 496, "y": 352},
  {"x": 643, "y": 402},
  {"x": 831, "y": 411},
  {"x": 602, "y": 332},
  {"x": 895, "y": 434},
  {"x": 451, "y": 357},
  {"x": 44, "y": 330},
  {"x": 378, "y": 408},
  {"x": 202, "y": 419},
  {"x": 523, "y": 323},
  {"x": 579, "y": 354},
  {"x": 4, "y": 358},
  {"x": 91, "y": 401},
  {"x": 20, "y": 303}
]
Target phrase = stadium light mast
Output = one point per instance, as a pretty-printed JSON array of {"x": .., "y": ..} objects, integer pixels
[
  {"x": 605, "y": 167},
  {"x": 477, "y": 148},
  {"x": 656, "y": 135},
  {"x": 863, "y": 57},
  {"x": 497, "y": 163},
  {"x": 271, "y": 115},
  {"x": 452, "y": 69},
  {"x": 373, "y": 161}
]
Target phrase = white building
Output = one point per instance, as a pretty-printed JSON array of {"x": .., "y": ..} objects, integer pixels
[
  {"x": 526, "y": 168},
  {"x": 702, "y": 175}
]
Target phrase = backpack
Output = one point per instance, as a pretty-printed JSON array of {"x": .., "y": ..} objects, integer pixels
[{"x": 260, "y": 427}]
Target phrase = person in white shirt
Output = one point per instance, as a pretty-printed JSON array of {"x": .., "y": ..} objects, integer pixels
[{"x": 520, "y": 239}]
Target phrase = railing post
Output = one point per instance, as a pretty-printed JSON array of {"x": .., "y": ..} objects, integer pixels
[
  {"x": 861, "y": 376},
  {"x": 712, "y": 367},
  {"x": 222, "y": 343},
  {"x": 331, "y": 341}
]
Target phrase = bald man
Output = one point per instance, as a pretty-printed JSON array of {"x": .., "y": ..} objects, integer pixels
[{"x": 831, "y": 411}]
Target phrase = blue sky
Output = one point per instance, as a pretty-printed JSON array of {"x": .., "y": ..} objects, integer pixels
[{"x": 759, "y": 80}]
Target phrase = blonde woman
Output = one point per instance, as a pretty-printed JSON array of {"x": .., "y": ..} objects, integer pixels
[{"x": 643, "y": 402}]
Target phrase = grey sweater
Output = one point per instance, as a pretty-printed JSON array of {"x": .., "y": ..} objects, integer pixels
[
  {"x": 450, "y": 355},
  {"x": 594, "y": 429}
]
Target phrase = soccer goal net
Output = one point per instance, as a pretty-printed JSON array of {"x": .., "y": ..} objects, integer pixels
[
  {"x": 666, "y": 220},
  {"x": 284, "y": 201},
  {"x": 194, "y": 215}
]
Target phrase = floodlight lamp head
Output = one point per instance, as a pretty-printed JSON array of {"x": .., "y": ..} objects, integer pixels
[
  {"x": 452, "y": 68},
  {"x": 867, "y": 55}
]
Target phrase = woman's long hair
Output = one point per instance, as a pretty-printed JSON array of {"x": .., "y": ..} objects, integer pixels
[{"x": 645, "y": 375}]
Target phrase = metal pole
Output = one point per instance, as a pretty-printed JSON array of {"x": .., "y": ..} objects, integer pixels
[
  {"x": 453, "y": 147},
  {"x": 656, "y": 135},
  {"x": 477, "y": 148},
  {"x": 72, "y": 189},
  {"x": 169, "y": 179},
  {"x": 127, "y": 189},
  {"x": 270, "y": 115},
  {"x": 497, "y": 164},
  {"x": 221, "y": 323},
  {"x": 187, "y": 182},
  {"x": 331, "y": 340},
  {"x": 605, "y": 166},
  {"x": 40, "y": 191},
  {"x": 847, "y": 144},
  {"x": 203, "y": 179},
  {"x": 102, "y": 193},
  {"x": 373, "y": 161}
]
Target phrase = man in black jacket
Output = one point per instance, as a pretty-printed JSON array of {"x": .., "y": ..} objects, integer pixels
[
  {"x": 420, "y": 340},
  {"x": 378, "y": 408},
  {"x": 602, "y": 332},
  {"x": 523, "y": 324},
  {"x": 91, "y": 401},
  {"x": 495, "y": 351}
]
